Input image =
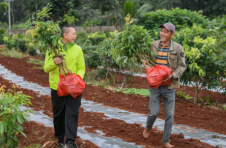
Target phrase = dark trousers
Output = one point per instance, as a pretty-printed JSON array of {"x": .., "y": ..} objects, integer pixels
[{"x": 65, "y": 115}]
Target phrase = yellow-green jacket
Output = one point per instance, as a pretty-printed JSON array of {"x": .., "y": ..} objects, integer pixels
[{"x": 75, "y": 62}]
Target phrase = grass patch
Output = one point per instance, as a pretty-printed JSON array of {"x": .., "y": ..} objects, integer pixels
[
  {"x": 35, "y": 61},
  {"x": 39, "y": 63},
  {"x": 34, "y": 145},
  {"x": 134, "y": 91},
  {"x": 3, "y": 48},
  {"x": 38, "y": 67},
  {"x": 105, "y": 83},
  {"x": 14, "y": 53}
]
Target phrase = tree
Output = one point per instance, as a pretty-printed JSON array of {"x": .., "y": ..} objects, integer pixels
[
  {"x": 35, "y": 5},
  {"x": 116, "y": 10},
  {"x": 62, "y": 7},
  {"x": 205, "y": 67},
  {"x": 3, "y": 11}
]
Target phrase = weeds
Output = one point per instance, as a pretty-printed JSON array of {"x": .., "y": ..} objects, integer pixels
[
  {"x": 35, "y": 61},
  {"x": 13, "y": 53},
  {"x": 142, "y": 92},
  {"x": 182, "y": 95}
]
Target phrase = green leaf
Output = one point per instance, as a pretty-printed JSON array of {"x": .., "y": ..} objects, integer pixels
[
  {"x": 65, "y": 48},
  {"x": 54, "y": 41},
  {"x": 14, "y": 119},
  {"x": 69, "y": 44},
  {"x": 1, "y": 128},
  {"x": 23, "y": 134},
  {"x": 20, "y": 119}
]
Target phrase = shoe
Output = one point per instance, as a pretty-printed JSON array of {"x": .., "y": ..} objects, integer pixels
[
  {"x": 167, "y": 145},
  {"x": 146, "y": 133},
  {"x": 71, "y": 144},
  {"x": 61, "y": 143}
]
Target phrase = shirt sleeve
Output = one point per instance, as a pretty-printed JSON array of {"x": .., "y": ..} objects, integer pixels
[
  {"x": 81, "y": 68},
  {"x": 49, "y": 64}
]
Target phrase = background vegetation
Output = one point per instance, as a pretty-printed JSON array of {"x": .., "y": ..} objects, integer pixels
[
  {"x": 201, "y": 31},
  {"x": 106, "y": 12}
]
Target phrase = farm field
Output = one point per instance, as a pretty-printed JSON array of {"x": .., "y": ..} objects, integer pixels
[
  {"x": 187, "y": 113},
  {"x": 115, "y": 51}
]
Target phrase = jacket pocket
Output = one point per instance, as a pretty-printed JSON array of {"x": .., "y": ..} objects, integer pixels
[{"x": 173, "y": 61}]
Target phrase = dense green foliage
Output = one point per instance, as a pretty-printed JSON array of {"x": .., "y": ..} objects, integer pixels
[
  {"x": 187, "y": 35},
  {"x": 179, "y": 17},
  {"x": 9, "y": 41},
  {"x": 109, "y": 12},
  {"x": 142, "y": 92},
  {"x": 131, "y": 45},
  {"x": 201, "y": 38},
  {"x": 46, "y": 33},
  {"x": 204, "y": 62},
  {"x": 2, "y": 33},
  {"x": 21, "y": 43},
  {"x": 62, "y": 9},
  {"x": 93, "y": 59},
  {"x": 12, "y": 117}
]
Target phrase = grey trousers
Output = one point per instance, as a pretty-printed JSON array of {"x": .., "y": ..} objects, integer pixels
[{"x": 154, "y": 107}]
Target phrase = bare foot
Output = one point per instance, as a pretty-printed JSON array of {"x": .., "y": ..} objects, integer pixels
[
  {"x": 146, "y": 133},
  {"x": 167, "y": 145}
]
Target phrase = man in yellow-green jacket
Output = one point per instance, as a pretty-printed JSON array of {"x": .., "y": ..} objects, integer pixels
[{"x": 65, "y": 109}]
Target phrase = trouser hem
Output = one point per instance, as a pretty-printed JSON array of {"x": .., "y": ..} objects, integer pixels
[{"x": 165, "y": 142}]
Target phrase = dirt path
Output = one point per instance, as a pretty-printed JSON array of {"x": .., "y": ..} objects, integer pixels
[
  {"x": 111, "y": 127},
  {"x": 38, "y": 135},
  {"x": 185, "y": 113}
]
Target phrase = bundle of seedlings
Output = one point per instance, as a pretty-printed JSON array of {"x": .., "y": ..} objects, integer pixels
[
  {"x": 131, "y": 46},
  {"x": 47, "y": 34}
]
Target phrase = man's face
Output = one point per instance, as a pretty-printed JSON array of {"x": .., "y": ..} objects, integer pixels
[
  {"x": 71, "y": 35},
  {"x": 166, "y": 35}
]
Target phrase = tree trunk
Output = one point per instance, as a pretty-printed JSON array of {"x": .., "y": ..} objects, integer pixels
[
  {"x": 115, "y": 16},
  {"x": 12, "y": 14},
  {"x": 36, "y": 11},
  {"x": 196, "y": 92}
]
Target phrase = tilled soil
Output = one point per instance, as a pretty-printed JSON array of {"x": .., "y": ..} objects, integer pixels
[
  {"x": 94, "y": 121},
  {"x": 38, "y": 134},
  {"x": 187, "y": 113}
]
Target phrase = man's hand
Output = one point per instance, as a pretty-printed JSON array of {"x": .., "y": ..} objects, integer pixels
[
  {"x": 170, "y": 77},
  {"x": 57, "y": 61}
]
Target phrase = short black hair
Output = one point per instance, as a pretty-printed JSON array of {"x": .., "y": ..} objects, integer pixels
[{"x": 65, "y": 29}]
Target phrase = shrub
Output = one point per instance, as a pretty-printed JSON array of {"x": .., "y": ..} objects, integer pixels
[
  {"x": 131, "y": 45},
  {"x": 93, "y": 59},
  {"x": 11, "y": 117},
  {"x": 19, "y": 26},
  {"x": 2, "y": 33},
  {"x": 181, "y": 18},
  {"x": 205, "y": 67},
  {"x": 22, "y": 44},
  {"x": 32, "y": 48},
  {"x": 3, "y": 25},
  {"x": 187, "y": 35},
  {"x": 81, "y": 38},
  {"x": 43, "y": 54},
  {"x": 97, "y": 37},
  {"x": 9, "y": 41}
]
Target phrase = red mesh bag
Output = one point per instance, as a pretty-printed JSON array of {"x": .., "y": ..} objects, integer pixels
[
  {"x": 156, "y": 75},
  {"x": 70, "y": 85}
]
